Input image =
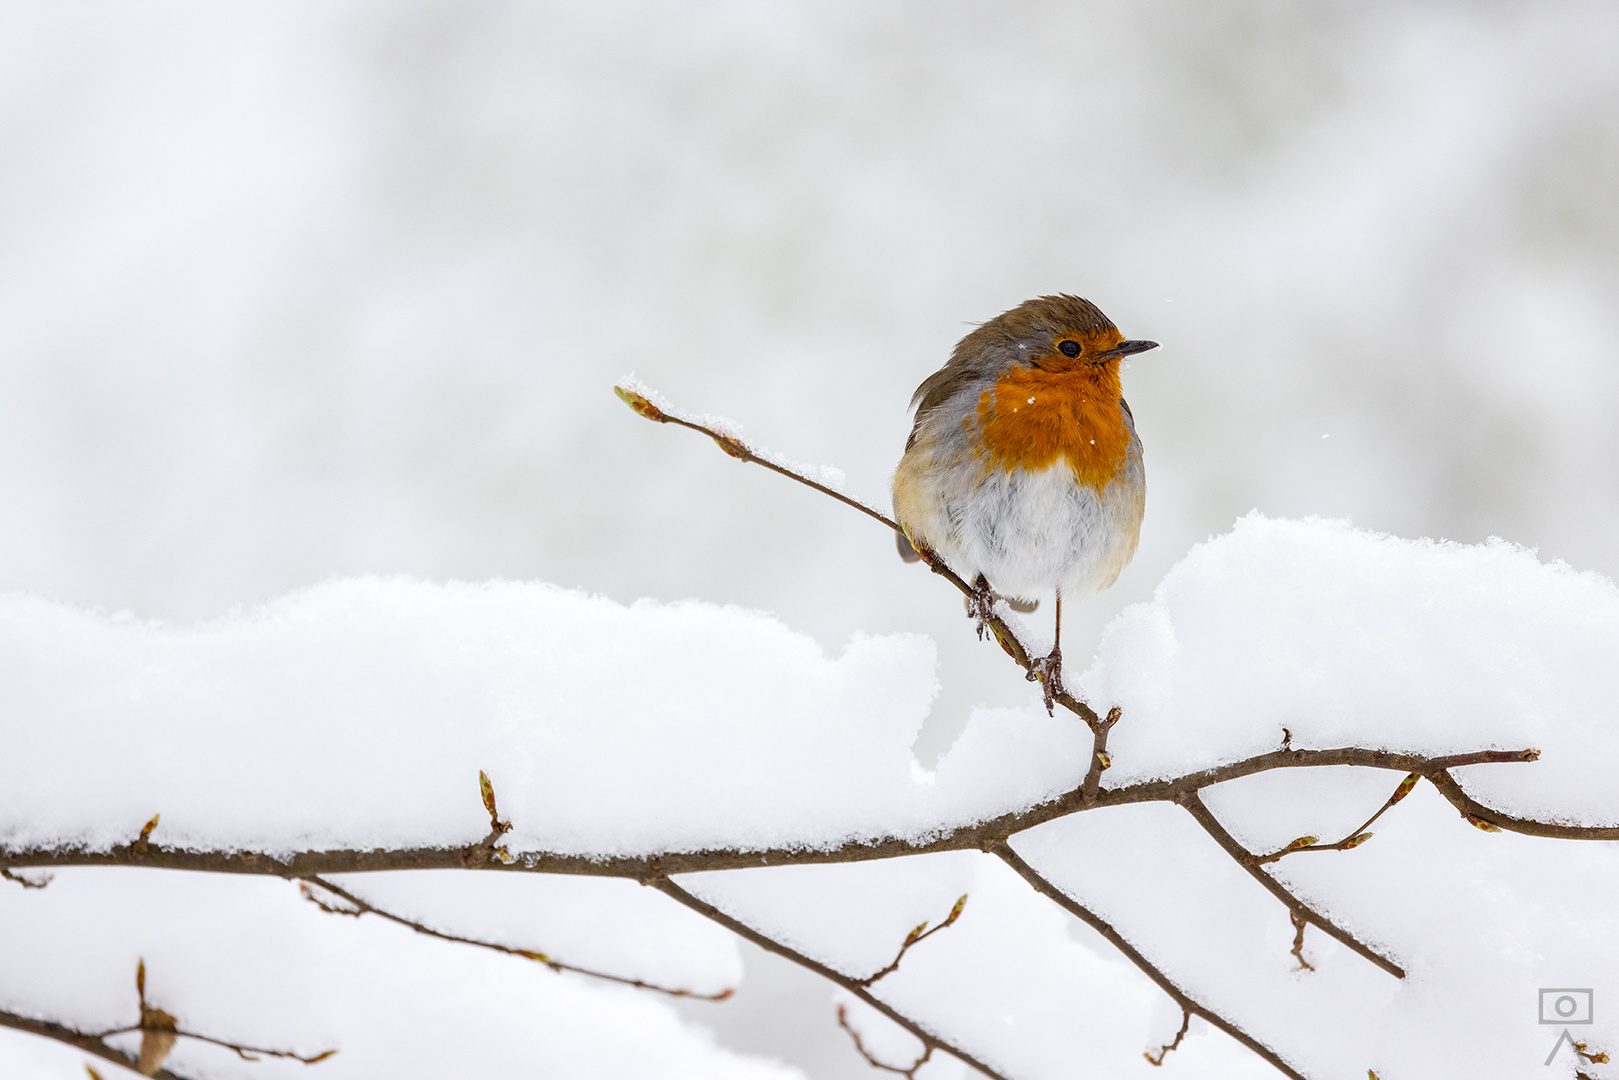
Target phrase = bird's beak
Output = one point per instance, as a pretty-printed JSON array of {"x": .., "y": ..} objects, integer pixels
[{"x": 1126, "y": 348}]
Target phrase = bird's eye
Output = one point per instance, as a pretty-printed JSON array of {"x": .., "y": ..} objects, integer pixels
[{"x": 1069, "y": 348}]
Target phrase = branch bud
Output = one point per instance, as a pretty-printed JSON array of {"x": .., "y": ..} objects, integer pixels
[
  {"x": 1480, "y": 823},
  {"x": 158, "y": 1033},
  {"x": 140, "y": 847},
  {"x": 487, "y": 790},
  {"x": 1405, "y": 788},
  {"x": 1357, "y": 840},
  {"x": 640, "y": 404},
  {"x": 733, "y": 447},
  {"x": 910, "y": 939},
  {"x": 955, "y": 912},
  {"x": 1303, "y": 842}
]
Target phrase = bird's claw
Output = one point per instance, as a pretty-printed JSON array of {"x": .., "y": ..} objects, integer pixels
[
  {"x": 981, "y": 605},
  {"x": 1047, "y": 671}
]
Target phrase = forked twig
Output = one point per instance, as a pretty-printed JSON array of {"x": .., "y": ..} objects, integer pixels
[
  {"x": 1186, "y": 1002},
  {"x": 1298, "y": 908},
  {"x": 916, "y": 937},
  {"x": 741, "y": 929},
  {"x": 860, "y": 1047},
  {"x": 1355, "y": 838}
]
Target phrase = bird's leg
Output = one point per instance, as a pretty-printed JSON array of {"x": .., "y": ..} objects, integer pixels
[
  {"x": 1047, "y": 670},
  {"x": 981, "y": 604}
]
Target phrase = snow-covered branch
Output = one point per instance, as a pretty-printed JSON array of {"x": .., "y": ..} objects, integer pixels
[{"x": 770, "y": 791}]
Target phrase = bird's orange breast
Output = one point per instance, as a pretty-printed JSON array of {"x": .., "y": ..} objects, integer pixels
[{"x": 1031, "y": 418}]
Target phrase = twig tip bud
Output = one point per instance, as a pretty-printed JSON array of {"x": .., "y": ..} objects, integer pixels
[{"x": 639, "y": 403}]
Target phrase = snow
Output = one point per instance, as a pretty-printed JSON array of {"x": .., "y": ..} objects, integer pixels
[
  {"x": 1347, "y": 637},
  {"x": 362, "y": 711},
  {"x": 358, "y": 713}
]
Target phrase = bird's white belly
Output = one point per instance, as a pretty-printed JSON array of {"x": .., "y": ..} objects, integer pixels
[{"x": 1029, "y": 532}]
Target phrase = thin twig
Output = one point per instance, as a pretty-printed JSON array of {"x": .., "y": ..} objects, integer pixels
[
  {"x": 1247, "y": 860},
  {"x": 89, "y": 1042},
  {"x": 1092, "y": 784},
  {"x": 849, "y": 983},
  {"x": 860, "y": 1047},
  {"x": 1163, "y": 1051},
  {"x": 1041, "y": 885},
  {"x": 365, "y": 907},
  {"x": 245, "y": 1052},
  {"x": 916, "y": 937},
  {"x": 1299, "y": 925},
  {"x": 1355, "y": 837},
  {"x": 735, "y": 447},
  {"x": 742, "y": 452}
]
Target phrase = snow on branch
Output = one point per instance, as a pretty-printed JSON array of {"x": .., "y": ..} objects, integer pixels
[{"x": 697, "y": 784}]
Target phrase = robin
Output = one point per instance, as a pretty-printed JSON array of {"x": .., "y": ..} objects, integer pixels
[{"x": 1023, "y": 472}]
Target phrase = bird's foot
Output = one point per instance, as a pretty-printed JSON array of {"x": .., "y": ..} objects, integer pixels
[
  {"x": 981, "y": 604},
  {"x": 1047, "y": 671}
]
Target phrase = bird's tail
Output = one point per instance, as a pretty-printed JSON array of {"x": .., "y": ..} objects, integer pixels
[{"x": 906, "y": 551}]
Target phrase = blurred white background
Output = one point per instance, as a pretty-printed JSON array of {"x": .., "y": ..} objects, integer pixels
[{"x": 290, "y": 291}]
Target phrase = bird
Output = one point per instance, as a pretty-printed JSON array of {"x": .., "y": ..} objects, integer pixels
[{"x": 1023, "y": 472}]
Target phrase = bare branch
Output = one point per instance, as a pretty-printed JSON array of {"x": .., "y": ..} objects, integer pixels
[
  {"x": 843, "y": 1022},
  {"x": 1163, "y": 1051},
  {"x": 973, "y": 837},
  {"x": 849, "y": 983},
  {"x": 365, "y": 907},
  {"x": 1038, "y": 881},
  {"x": 1299, "y": 909},
  {"x": 916, "y": 937}
]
